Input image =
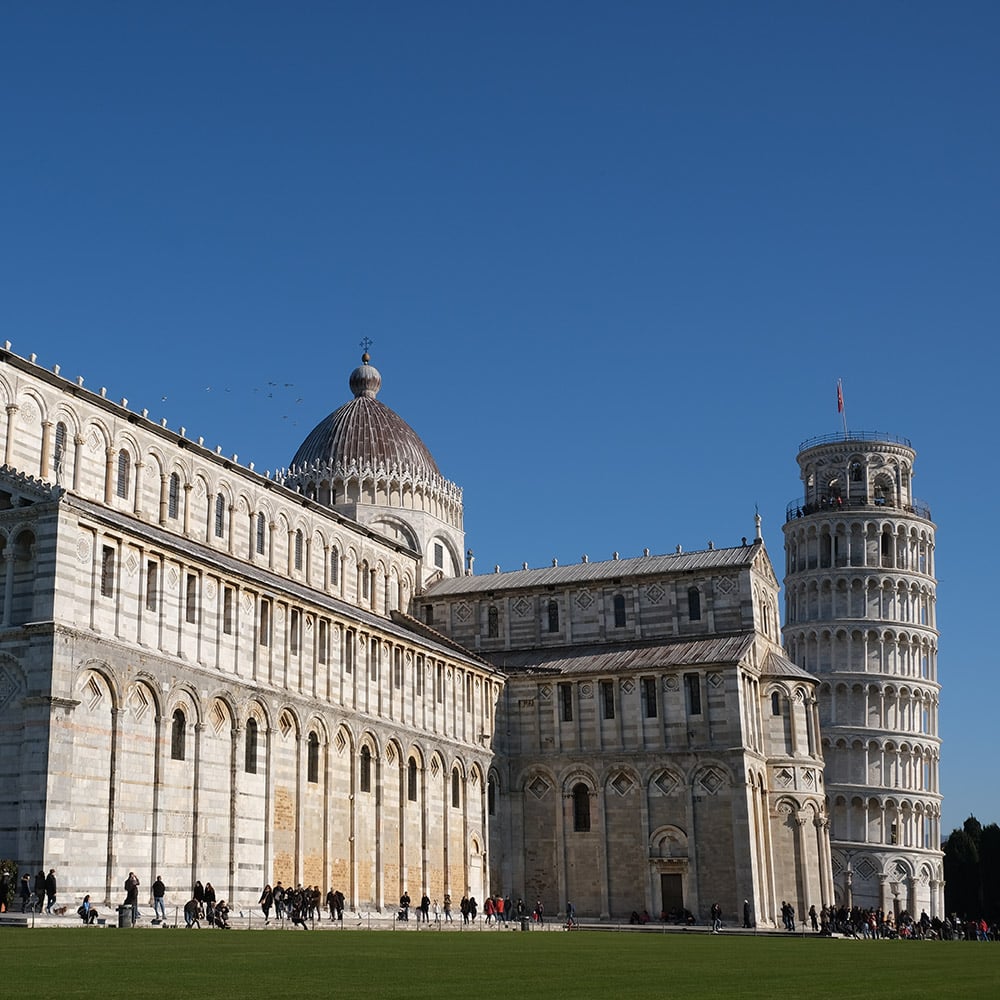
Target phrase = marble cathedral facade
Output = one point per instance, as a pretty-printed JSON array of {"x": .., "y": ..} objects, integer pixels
[{"x": 210, "y": 673}]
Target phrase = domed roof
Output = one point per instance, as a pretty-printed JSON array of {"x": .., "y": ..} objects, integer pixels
[{"x": 366, "y": 434}]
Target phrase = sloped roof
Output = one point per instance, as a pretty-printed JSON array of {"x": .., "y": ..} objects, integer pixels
[
  {"x": 625, "y": 658},
  {"x": 776, "y": 665},
  {"x": 738, "y": 557}
]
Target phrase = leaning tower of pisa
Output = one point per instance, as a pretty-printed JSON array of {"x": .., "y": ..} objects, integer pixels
[{"x": 860, "y": 615}]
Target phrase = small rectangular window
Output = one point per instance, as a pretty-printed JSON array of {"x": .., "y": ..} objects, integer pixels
[
  {"x": 264, "y": 636},
  {"x": 418, "y": 675},
  {"x": 428, "y": 614},
  {"x": 439, "y": 555},
  {"x": 107, "y": 571},
  {"x": 397, "y": 669},
  {"x": 324, "y": 640},
  {"x": 152, "y": 574},
  {"x": 649, "y": 707},
  {"x": 191, "y": 600},
  {"x": 692, "y": 685},
  {"x": 293, "y": 632},
  {"x": 608, "y": 699},
  {"x": 566, "y": 702},
  {"x": 227, "y": 610},
  {"x": 349, "y": 651},
  {"x": 440, "y": 682}
]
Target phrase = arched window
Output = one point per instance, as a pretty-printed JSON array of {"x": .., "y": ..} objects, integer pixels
[
  {"x": 619, "y": 611},
  {"x": 334, "y": 566},
  {"x": 775, "y": 703},
  {"x": 456, "y": 789},
  {"x": 124, "y": 466},
  {"x": 261, "y": 532},
  {"x": 250, "y": 748},
  {"x": 312, "y": 762},
  {"x": 411, "y": 780},
  {"x": 174, "y": 496},
  {"x": 298, "y": 549},
  {"x": 553, "y": 616},
  {"x": 178, "y": 731},
  {"x": 493, "y": 622},
  {"x": 220, "y": 515},
  {"x": 366, "y": 769},
  {"x": 694, "y": 604},
  {"x": 581, "y": 808},
  {"x": 491, "y": 796}
]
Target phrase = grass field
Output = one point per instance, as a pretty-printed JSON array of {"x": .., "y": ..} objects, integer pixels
[{"x": 262, "y": 965}]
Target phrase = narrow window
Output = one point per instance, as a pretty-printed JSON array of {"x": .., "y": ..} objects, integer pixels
[
  {"x": 608, "y": 699},
  {"x": 174, "y": 496},
  {"x": 692, "y": 685},
  {"x": 775, "y": 703},
  {"x": 649, "y": 697},
  {"x": 581, "y": 808},
  {"x": 456, "y": 789},
  {"x": 349, "y": 651},
  {"x": 397, "y": 668},
  {"x": 324, "y": 640},
  {"x": 220, "y": 515},
  {"x": 619, "y": 611},
  {"x": 294, "y": 629},
  {"x": 439, "y": 555},
  {"x": 152, "y": 573},
  {"x": 493, "y": 623},
  {"x": 566, "y": 702},
  {"x": 365, "y": 581},
  {"x": 468, "y": 692},
  {"x": 366, "y": 769},
  {"x": 491, "y": 796},
  {"x": 428, "y": 614},
  {"x": 553, "y": 609},
  {"x": 440, "y": 682},
  {"x": 298, "y": 550},
  {"x": 124, "y": 464},
  {"x": 250, "y": 748},
  {"x": 312, "y": 760},
  {"x": 411, "y": 780},
  {"x": 107, "y": 571},
  {"x": 373, "y": 659},
  {"x": 261, "y": 532},
  {"x": 191, "y": 600},
  {"x": 694, "y": 604},
  {"x": 418, "y": 675},
  {"x": 265, "y": 622},
  {"x": 334, "y": 567},
  {"x": 227, "y": 610},
  {"x": 59, "y": 452},
  {"x": 178, "y": 731}
]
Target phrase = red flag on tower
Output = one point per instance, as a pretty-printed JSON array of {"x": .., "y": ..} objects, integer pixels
[{"x": 840, "y": 397}]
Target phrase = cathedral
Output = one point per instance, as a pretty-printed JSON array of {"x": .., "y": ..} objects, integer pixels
[{"x": 209, "y": 673}]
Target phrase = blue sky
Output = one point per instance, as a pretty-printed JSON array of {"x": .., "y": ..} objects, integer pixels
[{"x": 612, "y": 257}]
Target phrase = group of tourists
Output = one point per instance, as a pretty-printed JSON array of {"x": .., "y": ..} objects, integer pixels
[
  {"x": 34, "y": 894},
  {"x": 300, "y": 904}
]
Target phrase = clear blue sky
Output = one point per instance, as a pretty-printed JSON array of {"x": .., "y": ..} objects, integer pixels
[{"x": 613, "y": 257}]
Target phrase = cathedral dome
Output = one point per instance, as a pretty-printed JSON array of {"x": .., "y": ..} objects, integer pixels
[{"x": 366, "y": 434}]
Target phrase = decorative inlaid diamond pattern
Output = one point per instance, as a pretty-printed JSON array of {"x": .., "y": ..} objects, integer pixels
[
  {"x": 666, "y": 782},
  {"x": 545, "y": 692},
  {"x": 522, "y": 607},
  {"x": 865, "y": 868},
  {"x": 622, "y": 783},
  {"x": 138, "y": 703},
  {"x": 711, "y": 780},
  {"x": 654, "y": 593},
  {"x": 784, "y": 777},
  {"x": 584, "y": 600},
  {"x": 539, "y": 787},
  {"x": 716, "y": 680},
  {"x": 628, "y": 686},
  {"x": 463, "y": 612},
  {"x": 725, "y": 585}
]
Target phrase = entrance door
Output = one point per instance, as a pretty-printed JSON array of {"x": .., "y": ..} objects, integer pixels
[{"x": 672, "y": 891}]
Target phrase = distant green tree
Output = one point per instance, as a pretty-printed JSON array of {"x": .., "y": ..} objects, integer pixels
[
  {"x": 989, "y": 870},
  {"x": 963, "y": 882}
]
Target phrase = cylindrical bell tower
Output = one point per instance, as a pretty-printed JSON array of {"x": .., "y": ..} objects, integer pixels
[{"x": 860, "y": 615}]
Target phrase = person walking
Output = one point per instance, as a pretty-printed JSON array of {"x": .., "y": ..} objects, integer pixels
[
  {"x": 159, "y": 907},
  {"x": 50, "y": 890}
]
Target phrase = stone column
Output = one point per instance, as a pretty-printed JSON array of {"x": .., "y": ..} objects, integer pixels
[
  {"x": 43, "y": 469},
  {"x": 9, "y": 459}
]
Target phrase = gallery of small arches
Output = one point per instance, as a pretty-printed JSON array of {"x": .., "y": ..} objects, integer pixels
[{"x": 247, "y": 791}]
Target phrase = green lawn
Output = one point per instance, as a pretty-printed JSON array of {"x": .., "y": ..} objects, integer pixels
[{"x": 264, "y": 965}]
